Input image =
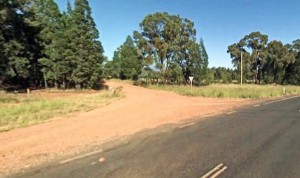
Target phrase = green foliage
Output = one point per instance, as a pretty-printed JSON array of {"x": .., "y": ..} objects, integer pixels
[
  {"x": 168, "y": 42},
  {"x": 222, "y": 75},
  {"x": 148, "y": 76},
  {"x": 204, "y": 60},
  {"x": 16, "y": 45},
  {"x": 251, "y": 46},
  {"x": 39, "y": 45},
  {"x": 49, "y": 19},
  {"x": 87, "y": 55},
  {"x": 125, "y": 63},
  {"x": 277, "y": 60},
  {"x": 265, "y": 62},
  {"x": 293, "y": 69}
]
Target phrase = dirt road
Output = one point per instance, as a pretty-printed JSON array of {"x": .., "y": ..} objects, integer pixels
[{"x": 140, "y": 109}]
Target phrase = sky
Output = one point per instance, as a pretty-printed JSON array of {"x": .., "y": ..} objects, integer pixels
[{"x": 219, "y": 22}]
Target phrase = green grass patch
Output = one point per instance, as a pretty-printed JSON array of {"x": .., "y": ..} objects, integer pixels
[
  {"x": 19, "y": 110},
  {"x": 231, "y": 90}
]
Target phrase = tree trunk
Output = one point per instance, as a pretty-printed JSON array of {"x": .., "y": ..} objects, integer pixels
[{"x": 45, "y": 80}]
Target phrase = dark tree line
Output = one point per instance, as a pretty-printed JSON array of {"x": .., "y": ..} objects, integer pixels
[
  {"x": 43, "y": 47},
  {"x": 267, "y": 62}
]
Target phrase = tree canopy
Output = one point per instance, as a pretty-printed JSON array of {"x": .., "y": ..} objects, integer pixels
[
  {"x": 126, "y": 63},
  {"x": 41, "y": 46},
  {"x": 168, "y": 42},
  {"x": 270, "y": 62}
]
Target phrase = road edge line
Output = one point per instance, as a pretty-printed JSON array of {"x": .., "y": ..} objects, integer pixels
[
  {"x": 283, "y": 99},
  {"x": 79, "y": 157},
  {"x": 187, "y": 125}
]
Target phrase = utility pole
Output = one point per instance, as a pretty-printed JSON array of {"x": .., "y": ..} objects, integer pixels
[{"x": 241, "y": 68}]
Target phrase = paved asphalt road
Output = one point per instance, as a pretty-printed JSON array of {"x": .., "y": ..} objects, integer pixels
[{"x": 257, "y": 141}]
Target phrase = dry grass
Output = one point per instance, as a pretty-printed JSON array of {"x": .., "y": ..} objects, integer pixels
[
  {"x": 232, "y": 91},
  {"x": 19, "y": 110}
]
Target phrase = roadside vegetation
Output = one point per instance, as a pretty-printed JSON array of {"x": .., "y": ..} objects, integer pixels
[
  {"x": 44, "y": 47},
  {"x": 231, "y": 90},
  {"x": 19, "y": 110}
]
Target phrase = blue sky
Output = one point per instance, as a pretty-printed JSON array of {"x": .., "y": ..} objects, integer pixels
[{"x": 219, "y": 22}]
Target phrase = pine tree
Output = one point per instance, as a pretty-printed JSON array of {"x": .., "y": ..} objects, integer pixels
[
  {"x": 199, "y": 62},
  {"x": 87, "y": 51},
  {"x": 204, "y": 55},
  {"x": 49, "y": 20},
  {"x": 16, "y": 53},
  {"x": 196, "y": 63},
  {"x": 126, "y": 60}
]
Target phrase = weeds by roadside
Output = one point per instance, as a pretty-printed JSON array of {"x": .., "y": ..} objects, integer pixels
[
  {"x": 19, "y": 110},
  {"x": 232, "y": 91}
]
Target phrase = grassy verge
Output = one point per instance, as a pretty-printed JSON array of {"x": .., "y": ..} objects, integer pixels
[
  {"x": 121, "y": 81},
  {"x": 19, "y": 110},
  {"x": 232, "y": 91}
]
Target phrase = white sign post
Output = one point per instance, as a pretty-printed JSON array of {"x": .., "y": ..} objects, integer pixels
[{"x": 191, "y": 81}]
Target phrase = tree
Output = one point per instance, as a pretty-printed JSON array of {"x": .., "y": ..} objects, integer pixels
[
  {"x": 49, "y": 20},
  {"x": 293, "y": 70},
  {"x": 14, "y": 43},
  {"x": 252, "y": 46},
  {"x": 164, "y": 40},
  {"x": 87, "y": 51},
  {"x": 200, "y": 64},
  {"x": 222, "y": 74},
  {"x": 39, "y": 44},
  {"x": 112, "y": 69},
  {"x": 277, "y": 60},
  {"x": 126, "y": 61}
]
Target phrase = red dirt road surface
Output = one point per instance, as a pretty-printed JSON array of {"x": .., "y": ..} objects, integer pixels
[{"x": 140, "y": 109}]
